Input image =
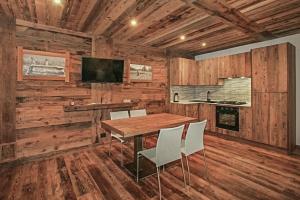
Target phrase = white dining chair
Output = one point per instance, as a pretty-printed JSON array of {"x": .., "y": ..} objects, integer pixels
[
  {"x": 193, "y": 143},
  {"x": 167, "y": 150},
  {"x": 138, "y": 113},
  {"x": 118, "y": 137}
]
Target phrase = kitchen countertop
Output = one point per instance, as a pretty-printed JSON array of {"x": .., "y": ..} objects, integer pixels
[{"x": 218, "y": 104}]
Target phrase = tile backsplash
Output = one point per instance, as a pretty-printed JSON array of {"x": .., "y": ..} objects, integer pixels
[{"x": 236, "y": 89}]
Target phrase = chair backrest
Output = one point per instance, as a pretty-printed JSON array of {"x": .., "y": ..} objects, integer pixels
[
  {"x": 168, "y": 148},
  {"x": 119, "y": 115},
  {"x": 138, "y": 113},
  {"x": 194, "y": 137}
]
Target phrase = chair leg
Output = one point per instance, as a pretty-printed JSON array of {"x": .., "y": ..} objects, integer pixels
[
  {"x": 137, "y": 168},
  {"x": 158, "y": 178},
  {"x": 183, "y": 172},
  {"x": 188, "y": 167},
  {"x": 110, "y": 144},
  {"x": 205, "y": 163},
  {"x": 122, "y": 164}
]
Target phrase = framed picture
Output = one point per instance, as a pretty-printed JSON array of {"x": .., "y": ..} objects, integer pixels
[
  {"x": 140, "y": 73},
  {"x": 42, "y": 65}
]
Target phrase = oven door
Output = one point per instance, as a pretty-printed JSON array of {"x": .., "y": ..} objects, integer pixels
[{"x": 227, "y": 118}]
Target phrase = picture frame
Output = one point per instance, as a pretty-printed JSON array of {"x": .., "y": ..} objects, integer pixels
[
  {"x": 140, "y": 73},
  {"x": 43, "y": 65}
]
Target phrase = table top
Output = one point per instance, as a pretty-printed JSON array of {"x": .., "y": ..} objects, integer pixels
[{"x": 146, "y": 124}]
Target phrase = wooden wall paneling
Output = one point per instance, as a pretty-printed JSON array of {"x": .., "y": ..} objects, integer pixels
[
  {"x": 42, "y": 124},
  {"x": 8, "y": 76}
]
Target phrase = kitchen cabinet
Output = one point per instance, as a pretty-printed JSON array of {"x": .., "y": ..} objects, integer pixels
[
  {"x": 270, "y": 66},
  {"x": 190, "y": 72},
  {"x": 183, "y": 72},
  {"x": 270, "y": 119},
  {"x": 207, "y": 71},
  {"x": 189, "y": 110},
  {"x": 238, "y": 65},
  {"x": 208, "y": 112},
  {"x": 245, "y": 122}
]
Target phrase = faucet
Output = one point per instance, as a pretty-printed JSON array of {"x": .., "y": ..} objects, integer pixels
[{"x": 208, "y": 96}]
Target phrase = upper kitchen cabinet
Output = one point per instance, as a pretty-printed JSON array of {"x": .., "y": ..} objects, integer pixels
[
  {"x": 183, "y": 72},
  {"x": 270, "y": 68},
  {"x": 238, "y": 65},
  {"x": 207, "y": 72}
]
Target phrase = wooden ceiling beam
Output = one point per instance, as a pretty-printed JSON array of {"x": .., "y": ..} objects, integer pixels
[
  {"x": 159, "y": 35},
  {"x": 124, "y": 19},
  {"x": 200, "y": 35},
  {"x": 111, "y": 13},
  {"x": 20, "y": 22},
  {"x": 232, "y": 17},
  {"x": 66, "y": 12},
  {"x": 151, "y": 18}
]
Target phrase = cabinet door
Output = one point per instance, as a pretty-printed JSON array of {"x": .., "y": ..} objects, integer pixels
[
  {"x": 208, "y": 112},
  {"x": 260, "y": 113},
  {"x": 245, "y": 122},
  {"x": 269, "y": 113},
  {"x": 183, "y": 72},
  {"x": 224, "y": 70},
  {"x": 191, "y": 110},
  {"x": 177, "y": 109},
  {"x": 238, "y": 65},
  {"x": 208, "y": 72},
  {"x": 175, "y": 75},
  {"x": 278, "y": 120},
  {"x": 269, "y": 69}
]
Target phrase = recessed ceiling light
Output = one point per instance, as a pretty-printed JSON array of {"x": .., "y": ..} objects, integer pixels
[
  {"x": 133, "y": 22},
  {"x": 203, "y": 44},
  {"x": 182, "y": 37},
  {"x": 57, "y": 1}
]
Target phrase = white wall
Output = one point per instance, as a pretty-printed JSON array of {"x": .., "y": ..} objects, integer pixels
[{"x": 293, "y": 39}]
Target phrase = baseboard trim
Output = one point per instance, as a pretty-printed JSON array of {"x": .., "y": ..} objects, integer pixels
[
  {"x": 44, "y": 156},
  {"x": 297, "y": 150}
]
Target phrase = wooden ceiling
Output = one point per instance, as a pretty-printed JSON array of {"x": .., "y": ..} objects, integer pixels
[{"x": 218, "y": 23}]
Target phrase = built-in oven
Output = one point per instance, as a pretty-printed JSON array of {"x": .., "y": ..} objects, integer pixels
[{"x": 227, "y": 117}]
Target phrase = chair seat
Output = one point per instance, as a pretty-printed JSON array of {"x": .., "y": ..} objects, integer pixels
[
  {"x": 118, "y": 137},
  {"x": 149, "y": 154}
]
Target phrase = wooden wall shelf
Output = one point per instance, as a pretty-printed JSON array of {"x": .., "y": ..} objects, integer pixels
[{"x": 97, "y": 106}]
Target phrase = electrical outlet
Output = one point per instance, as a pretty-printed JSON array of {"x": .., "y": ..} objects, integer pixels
[{"x": 102, "y": 135}]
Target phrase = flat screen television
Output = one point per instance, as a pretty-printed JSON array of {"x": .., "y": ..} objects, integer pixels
[{"x": 102, "y": 70}]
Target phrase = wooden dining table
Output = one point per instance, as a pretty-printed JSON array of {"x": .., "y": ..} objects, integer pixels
[{"x": 138, "y": 127}]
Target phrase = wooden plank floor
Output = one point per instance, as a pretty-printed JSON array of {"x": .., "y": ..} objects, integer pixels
[{"x": 236, "y": 171}]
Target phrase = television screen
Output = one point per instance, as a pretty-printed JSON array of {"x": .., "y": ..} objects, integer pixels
[{"x": 102, "y": 70}]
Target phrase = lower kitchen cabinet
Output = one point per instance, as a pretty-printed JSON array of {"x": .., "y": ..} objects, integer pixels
[
  {"x": 177, "y": 109},
  {"x": 270, "y": 119},
  {"x": 245, "y": 122},
  {"x": 208, "y": 112}
]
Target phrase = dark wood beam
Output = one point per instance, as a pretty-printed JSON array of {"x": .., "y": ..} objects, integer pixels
[
  {"x": 221, "y": 10},
  {"x": 66, "y": 12}
]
